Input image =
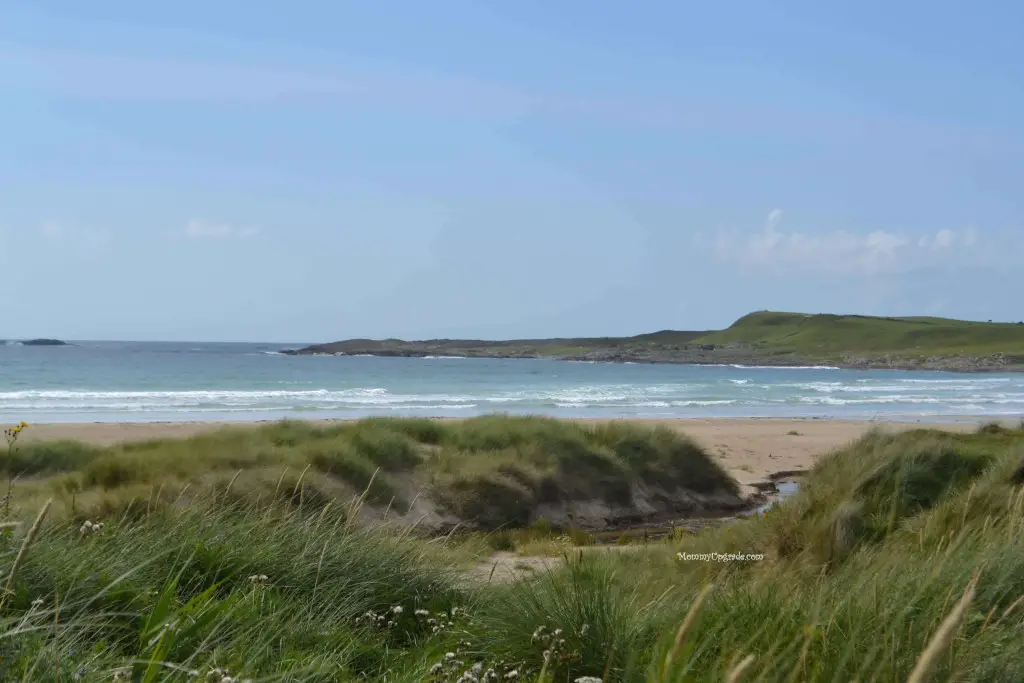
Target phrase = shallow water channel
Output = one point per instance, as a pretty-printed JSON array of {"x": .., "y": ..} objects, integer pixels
[{"x": 784, "y": 489}]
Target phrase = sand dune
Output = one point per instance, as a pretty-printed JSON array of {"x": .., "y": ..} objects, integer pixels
[{"x": 750, "y": 449}]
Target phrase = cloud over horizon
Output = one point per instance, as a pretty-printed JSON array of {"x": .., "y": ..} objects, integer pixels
[{"x": 845, "y": 253}]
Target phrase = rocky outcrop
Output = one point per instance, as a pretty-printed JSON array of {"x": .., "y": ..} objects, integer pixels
[{"x": 997, "y": 362}]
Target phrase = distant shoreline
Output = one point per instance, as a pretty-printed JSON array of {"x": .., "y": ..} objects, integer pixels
[
  {"x": 955, "y": 364},
  {"x": 764, "y": 338}
]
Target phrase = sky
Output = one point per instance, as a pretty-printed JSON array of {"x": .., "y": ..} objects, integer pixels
[{"x": 324, "y": 169}]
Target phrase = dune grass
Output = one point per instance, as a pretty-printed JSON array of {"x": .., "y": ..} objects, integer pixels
[
  {"x": 901, "y": 558},
  {"x": 488, "y": 472}
]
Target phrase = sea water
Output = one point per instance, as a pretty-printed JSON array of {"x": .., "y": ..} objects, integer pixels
[{"x": 134, "y": 381}]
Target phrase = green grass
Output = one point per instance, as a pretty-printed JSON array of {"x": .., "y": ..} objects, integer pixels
[
  {"x": 859, "y": 570},
  {"x": 488, "y": 472},
  {"x": 825, "y": 336},
  {"x": 764, "y": 336}
]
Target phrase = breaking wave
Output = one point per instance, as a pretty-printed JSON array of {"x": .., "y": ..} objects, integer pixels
[{"x": 134, "y": 382}]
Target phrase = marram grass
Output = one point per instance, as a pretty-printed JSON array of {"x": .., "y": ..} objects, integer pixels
[
  {"x": 901, "y": 559},
  {"x": 495, "y": 469}
]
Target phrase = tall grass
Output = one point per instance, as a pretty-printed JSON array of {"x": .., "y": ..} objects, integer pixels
[
  {"x": 901, "y": 558},
  {"x": 489, "y": 471},
  {"x": 258, "y": 591}
]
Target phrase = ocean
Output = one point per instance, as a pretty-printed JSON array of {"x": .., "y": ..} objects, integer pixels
[{"x": 141, "y": 382}]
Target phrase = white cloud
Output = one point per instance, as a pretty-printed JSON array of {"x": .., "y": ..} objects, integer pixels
[
  {"x": 944, "y": 239},
  {"x": 970, "y": 237},
  {"x": 841, "y": 252},
  {"x": 205, "y": 229}
]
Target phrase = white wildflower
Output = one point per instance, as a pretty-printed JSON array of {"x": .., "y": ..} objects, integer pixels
[
  {"x": 588, "y": 679},
  {"x": 89, "y": 527},
  {"x": 397, "y": 609},
  {"x": 513, "y": 674}
]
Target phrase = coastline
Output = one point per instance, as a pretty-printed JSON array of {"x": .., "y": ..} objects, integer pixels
[
  {"x": 955, "y": 364},
  {"x": 767, "y": 338},
  {"x": 752, "y": 450}
]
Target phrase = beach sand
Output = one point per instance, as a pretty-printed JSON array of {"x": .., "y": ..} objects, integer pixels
[{"x": 749, "y": 449}]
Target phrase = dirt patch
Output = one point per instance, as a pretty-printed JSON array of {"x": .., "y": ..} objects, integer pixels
[{"x": 506, "y": 567}]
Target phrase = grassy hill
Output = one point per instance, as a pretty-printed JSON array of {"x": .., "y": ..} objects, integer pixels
[
  {"x": 825, "y": 335},
  {"x": 764, "y": 338}
]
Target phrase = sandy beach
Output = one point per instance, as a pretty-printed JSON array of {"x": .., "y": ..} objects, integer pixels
[{"x": 750, "y": 449}]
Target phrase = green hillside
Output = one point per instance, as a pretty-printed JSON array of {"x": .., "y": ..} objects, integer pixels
[
  {"x": 824, "y": 335},
  {"x": 762, "y": 338}
]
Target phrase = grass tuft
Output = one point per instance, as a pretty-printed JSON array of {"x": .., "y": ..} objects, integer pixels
[{"x": 900, "y": 558}]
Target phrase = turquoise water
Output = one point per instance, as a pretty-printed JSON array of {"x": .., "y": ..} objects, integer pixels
[{"x": 130, "y": 381}]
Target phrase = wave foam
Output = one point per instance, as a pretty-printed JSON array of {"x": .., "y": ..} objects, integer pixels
[
  {"x": 444, "y": 388},
  {"x": 783, "y": 367}
]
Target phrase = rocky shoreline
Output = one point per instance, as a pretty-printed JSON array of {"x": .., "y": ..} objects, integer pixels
[{"x": 686, "y": 354}]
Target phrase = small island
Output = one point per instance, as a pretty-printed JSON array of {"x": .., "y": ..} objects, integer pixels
[
  {"x": 762, "y": 338},
  {"x": 44, "y": 342}
]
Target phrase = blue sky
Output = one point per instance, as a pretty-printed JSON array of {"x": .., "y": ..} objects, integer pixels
[{"x": 315, "y": 170}]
